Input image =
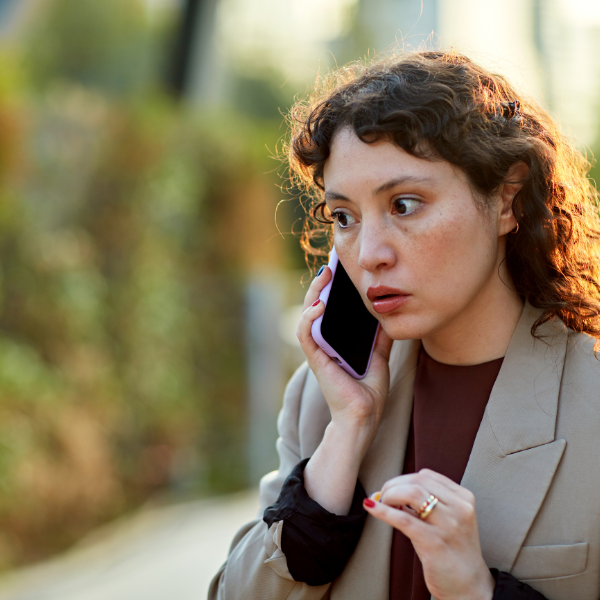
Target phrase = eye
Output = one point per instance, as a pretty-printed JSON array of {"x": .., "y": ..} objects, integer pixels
[
  {"x": 343, "y": 219},
  {"x": 406, "y": 206}
]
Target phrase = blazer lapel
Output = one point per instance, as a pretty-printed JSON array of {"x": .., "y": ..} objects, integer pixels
[
  {"x": 367, "y": 574},
  {"x": 515, "y": 455}
]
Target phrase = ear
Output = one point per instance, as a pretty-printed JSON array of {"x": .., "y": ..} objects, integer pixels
[{"x": 513, "y": 182}]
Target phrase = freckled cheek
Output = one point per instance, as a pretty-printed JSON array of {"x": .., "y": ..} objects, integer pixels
[
  {"x": 346, "y": 250},
  {"x": 442, "y": 254}
]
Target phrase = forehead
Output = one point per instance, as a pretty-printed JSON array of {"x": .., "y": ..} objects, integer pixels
[{"x": 353, "y": 163}]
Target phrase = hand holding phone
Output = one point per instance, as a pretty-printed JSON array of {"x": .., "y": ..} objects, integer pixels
[
  {"x": 355, "y": 393},
  {"x": 346, "y": 331}
]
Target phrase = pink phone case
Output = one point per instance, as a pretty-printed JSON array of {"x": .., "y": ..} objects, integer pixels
[{"x": 316, "y": 326}]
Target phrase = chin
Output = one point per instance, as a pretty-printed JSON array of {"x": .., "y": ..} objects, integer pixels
[
  {"x": 406, "y": 326},
  {"x": 402, "y": 327}
]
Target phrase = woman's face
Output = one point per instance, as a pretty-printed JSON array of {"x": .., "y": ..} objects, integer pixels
[{"x": 422, "y": 254}]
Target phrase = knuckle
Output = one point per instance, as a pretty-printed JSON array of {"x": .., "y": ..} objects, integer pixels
[
  {"x": 410, "y": 478},
  {"x": 449, "y": 533},
  {"x": 470, "y": 511},
  {"x": 415, "y": 496},
  {"x": 301, "y": 334},
  {"x": 423, "y": 477},
  {"x": 466, "y": 512},
  {"x": 314, "y": 283},
  {"x": 415, "y": 479},
  {"x": 388, "y": 484},
  {"x": 391, "y": 482}
]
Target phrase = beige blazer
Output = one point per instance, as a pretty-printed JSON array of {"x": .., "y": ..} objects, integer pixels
[{"x": 534, "y": 470}]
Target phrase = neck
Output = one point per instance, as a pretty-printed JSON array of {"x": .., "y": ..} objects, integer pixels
[{"x": 482, "y": 331}]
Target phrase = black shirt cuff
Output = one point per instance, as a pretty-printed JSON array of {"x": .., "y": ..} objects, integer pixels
[
  {"x": 317, "y": 544},
  {"x": 509, "y": 588}
]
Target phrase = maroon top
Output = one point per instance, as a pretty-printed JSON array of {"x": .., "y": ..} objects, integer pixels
[{"x": 449, "y": 402}]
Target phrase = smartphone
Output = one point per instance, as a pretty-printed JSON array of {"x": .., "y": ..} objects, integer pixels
[{"x": 346, "y": 331}]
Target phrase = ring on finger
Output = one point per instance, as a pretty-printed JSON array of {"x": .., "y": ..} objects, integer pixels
[{"x": 425, "y": 509}]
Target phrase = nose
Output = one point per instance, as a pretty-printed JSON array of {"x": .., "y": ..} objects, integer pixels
[{"x": 376, "y": 248}]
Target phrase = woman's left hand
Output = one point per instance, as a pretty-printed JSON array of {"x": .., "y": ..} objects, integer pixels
[{"x": 447, "y": 541}]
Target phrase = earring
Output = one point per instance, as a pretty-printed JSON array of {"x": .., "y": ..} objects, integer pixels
[{"x": 515, "y": 229}]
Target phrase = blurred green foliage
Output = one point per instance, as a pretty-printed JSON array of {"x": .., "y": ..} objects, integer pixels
[
  {"x": 108, "y": 45},
  {"x": 121, "y": 284}
]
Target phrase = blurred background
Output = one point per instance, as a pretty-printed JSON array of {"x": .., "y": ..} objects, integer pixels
[{"x": 150, "y": 274}]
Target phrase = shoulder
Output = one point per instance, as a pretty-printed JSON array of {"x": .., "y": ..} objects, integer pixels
[
  {"x": 582, "y": 364},
  {"x": 578, "y": 418},
  {"x": 579, "y": 406},
  {"x": 580, "y": 352},
  {"x": 563, "y": 349}
]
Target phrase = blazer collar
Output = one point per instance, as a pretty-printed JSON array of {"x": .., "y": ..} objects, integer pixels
[
  {"x": 528, "y": 385},
  {"x": 515, "y": 454}
]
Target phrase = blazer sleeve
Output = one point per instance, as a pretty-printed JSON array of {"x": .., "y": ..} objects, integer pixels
[
  {"x": 317, "y": 544},
  {"x": 256, "y": 567}
]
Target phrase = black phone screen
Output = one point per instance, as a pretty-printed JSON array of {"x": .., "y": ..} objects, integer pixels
[{"x": 347, "y": 326}]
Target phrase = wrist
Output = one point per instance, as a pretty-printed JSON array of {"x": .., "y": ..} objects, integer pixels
[
  {"x": 352, "y": 440},
  {"x": 331, "y": 473},
  {"x": 486, "y": 586}
]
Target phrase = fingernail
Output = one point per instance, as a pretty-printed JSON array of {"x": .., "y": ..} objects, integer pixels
[
  {"x": 368, "y": 503},
  {"x": 316, "y": 302},
  {"x": 320, "y": 270}
]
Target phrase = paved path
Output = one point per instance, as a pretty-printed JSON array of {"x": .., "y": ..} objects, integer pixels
[{"x": 159, "y": 554}]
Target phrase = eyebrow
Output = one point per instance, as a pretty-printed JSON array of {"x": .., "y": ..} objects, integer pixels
[{"x": 388, "y": 185}]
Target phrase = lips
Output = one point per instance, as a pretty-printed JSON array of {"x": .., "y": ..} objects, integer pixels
[{"x": 386, "y": 299}]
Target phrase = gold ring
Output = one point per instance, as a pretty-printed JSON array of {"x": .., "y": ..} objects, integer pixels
[
  {"x": 424, "y": 505},
  {"x": 427, "y": 507}
]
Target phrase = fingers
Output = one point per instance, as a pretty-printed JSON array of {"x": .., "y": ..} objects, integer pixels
[
  {"x": 434, "y": 483},
  {"x": 303, "y": 332},
  {"x": 455, "y": 507},
  {"x": 316, "y": 286},
  {"x": 405, "y": 493},
  {"x": 427, "y": 475},
  {"x": 454, "y": 494},
  {"x": 313, "y": 308},
  {"x": 400, "y": 519}
]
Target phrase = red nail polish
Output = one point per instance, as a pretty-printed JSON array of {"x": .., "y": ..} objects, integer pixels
[
  {"x": 316, "y": 302},
  {"x": 368, "y": 503}
]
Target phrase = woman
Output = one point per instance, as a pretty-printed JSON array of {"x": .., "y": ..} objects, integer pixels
[{"x": 468, "y": 226}]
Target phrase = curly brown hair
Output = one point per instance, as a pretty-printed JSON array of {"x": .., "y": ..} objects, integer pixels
[{"x": 441, "y": 105}]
